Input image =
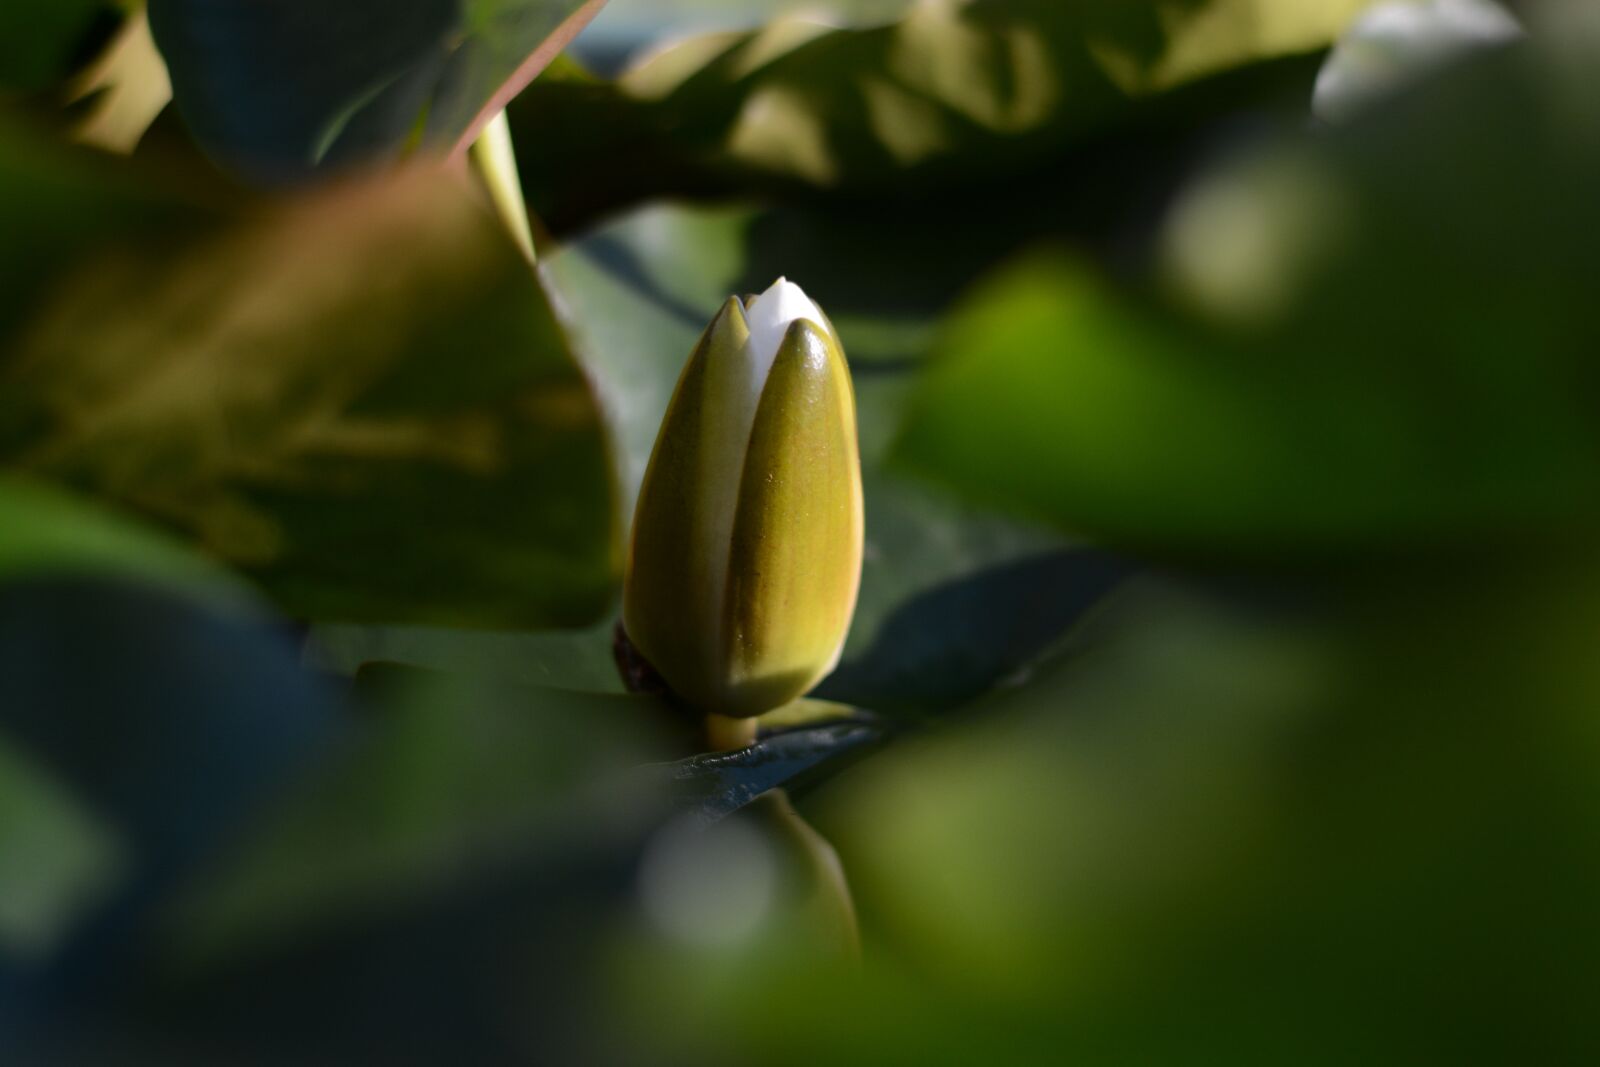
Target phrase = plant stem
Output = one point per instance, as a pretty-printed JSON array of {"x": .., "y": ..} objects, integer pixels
[
  {"x": 497, "y": 160},
  {"x": 728, "y": 735}
]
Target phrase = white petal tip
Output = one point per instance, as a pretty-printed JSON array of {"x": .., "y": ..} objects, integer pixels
[{"x": 773, "y": 312}]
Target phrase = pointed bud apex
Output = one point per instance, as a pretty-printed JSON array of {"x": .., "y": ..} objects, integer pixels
[{"x": 746, "y": 552}]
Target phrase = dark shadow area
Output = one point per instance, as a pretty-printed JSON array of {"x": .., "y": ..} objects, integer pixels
[
  {"x": 1100, "y": 185},
  {"x": 491, "y": 969},
  {"x": 947, "y": 646},
  {"x": 172, "y": 727}
]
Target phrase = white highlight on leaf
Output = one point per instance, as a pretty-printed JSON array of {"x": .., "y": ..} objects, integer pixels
[{"x": 1401, "y": 41}]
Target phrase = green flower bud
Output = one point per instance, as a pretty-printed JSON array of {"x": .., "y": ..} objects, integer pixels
[{"x": 746, "y": 552}]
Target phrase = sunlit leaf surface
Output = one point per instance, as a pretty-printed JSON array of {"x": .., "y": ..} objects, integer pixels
[
  {"x": 125, "y": 89},
  {"x": 951, "y": 95}
]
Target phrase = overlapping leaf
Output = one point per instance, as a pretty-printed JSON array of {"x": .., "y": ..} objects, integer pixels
[
  {"x": 283, "y": 88},
  {"x": 362, "y": 398}
]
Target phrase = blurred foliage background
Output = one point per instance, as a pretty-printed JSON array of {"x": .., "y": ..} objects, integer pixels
[{"x": 1223, "y": 687}]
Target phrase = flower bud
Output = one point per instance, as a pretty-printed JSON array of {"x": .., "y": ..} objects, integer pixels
[{"x": 746, "y": 552}]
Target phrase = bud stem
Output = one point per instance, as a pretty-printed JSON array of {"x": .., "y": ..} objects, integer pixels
[
  {"x": 727, "y": 735},
  {"x": 497, "y": 161}
]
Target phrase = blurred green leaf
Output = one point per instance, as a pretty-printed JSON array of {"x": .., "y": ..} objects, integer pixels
[
  {"x": 46, "y": 531},
  {"x": 950, "y": 94},
  {"x": 60, "y": 861},
  {"x": 450, "y": 780},
  {"x": 361, "y": 397},
  {"x": 1308, "y": 380},
  {"x": 63, "y": 858},
  {"x": 142, "y": 729},
  {"x": 281, "y": 89},
  {"x": 761, "y": 884},
  {"x": 392, "y": 872},
  {"x": 148, "y": 711},
  {"x": 1318, "y": 806},
  {"x": 39, "y": 39},
  {"x": 58, "y": 205}
]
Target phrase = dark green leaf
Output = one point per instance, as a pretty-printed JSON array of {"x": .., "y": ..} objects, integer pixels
[
  {"x": 141, "y": 730},
  {"x": 430, "y": 884},
  {"x": 280, "y": 88},
  {"x": 451, "y": 783},
  {"x": 450, "y": 780},
  {"x": 58, "y": 205},
  {"x": 61, "y": 862}
]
